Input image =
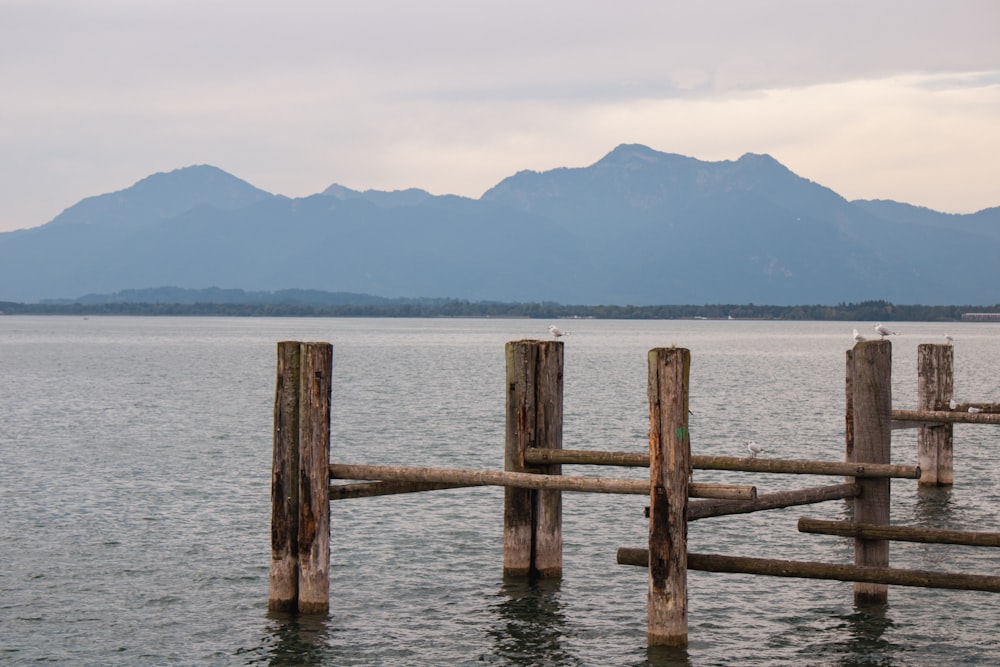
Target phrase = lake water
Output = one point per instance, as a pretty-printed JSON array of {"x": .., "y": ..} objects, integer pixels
[{"x": 135, "y": 460}]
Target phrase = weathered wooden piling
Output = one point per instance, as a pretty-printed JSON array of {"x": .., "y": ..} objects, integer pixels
[
  {"x": 314, "y": 478},
  {"x": 871, "y": 403},
  {"x": 669, "y": 472},
  {"x": 849, "y": 412},
  {"x": 935, "y": 384},
  {"x": 283, "y": 593},
  {"x": 300, "y": 502},
  {"x": 532, "y": 543}
]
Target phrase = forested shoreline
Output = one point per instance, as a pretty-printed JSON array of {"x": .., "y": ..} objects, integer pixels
[{"x": 863, "y": 311}]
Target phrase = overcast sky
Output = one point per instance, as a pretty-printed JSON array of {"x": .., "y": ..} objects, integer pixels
[{"x": 890, "y": 99}]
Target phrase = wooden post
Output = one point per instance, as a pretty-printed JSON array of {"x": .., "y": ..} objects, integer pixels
[
  {"x": 532, "y": 544},
  {"x": 669, "y": 472},
  {"x": 849, "y": 413},
  {"x": 300, "y": 502},
  {"x": 314, "y": 478},
  {"x": 871, "y": 394},
  {"x": 935, "y": 383},
  {"x": 283, "y": 590}
]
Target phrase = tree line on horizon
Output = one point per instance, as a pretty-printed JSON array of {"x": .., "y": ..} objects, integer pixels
[{"x": 863, "y": 311}]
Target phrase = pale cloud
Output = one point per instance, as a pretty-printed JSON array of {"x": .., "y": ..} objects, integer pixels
[{"x": 897, "y": 100}]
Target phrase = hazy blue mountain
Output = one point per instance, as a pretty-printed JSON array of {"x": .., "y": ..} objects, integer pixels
[
  {"x": 985, "y": 222},
  {"x": 163, "y": 196},
  {"x": 638, "y": 226},
  {"x": 407, "y": 197}
]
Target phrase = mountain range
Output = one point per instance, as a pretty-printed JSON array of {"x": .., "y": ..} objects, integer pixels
[{"x": 637, "y": 227}]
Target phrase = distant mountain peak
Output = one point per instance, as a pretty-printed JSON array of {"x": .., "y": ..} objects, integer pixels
[
  {"x": 202, "y": 177},
  {"x": 340, "y": 192},
  {"x": 758, "y": 158},
  {"x": 763, "y": 162},
  {"x": 638, "y": 155},
  {"x": 642, "y": 179},
  {"x": 164, "y": 195},
  {"x": 382, "y": 198},
  {"x": 633, "y": 152},
  {"x": 198, "y": 170}
]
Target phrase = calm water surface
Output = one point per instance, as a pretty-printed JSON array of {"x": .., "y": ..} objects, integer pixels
[{"x": 135, "y": 481}]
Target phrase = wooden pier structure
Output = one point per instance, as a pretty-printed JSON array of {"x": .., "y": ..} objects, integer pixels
[{"x": 534, "y": 483}]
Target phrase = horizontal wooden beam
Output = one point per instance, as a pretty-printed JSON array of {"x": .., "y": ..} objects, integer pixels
[
  {"x": 537, "y": 456},
  {"x": 981, "y": 407},
  {"x": 708, "y": 508},
  {"x": 735, "y": 492},
  {"x": 813, "y": 570},
  {"x": 372, "y": 489},
  {"x": 901, "y": 533},
  {"x": 806, "y": 467},
  {"x": 945, "y": 417},
  {"x": 526, "y": 480}
]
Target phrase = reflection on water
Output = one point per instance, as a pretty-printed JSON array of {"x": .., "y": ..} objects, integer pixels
[
  {"x": 861, "y": 638},
  {"x": 531, "y": 625},
  {"x": 934, "y": 508},
  {"x": 293, "y": 639},
  {"x": 866, "y": 644},
  {"x": 667, "y": 656}
]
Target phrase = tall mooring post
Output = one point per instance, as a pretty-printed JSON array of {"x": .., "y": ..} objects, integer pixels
[
  {"x": 849, "y": 412},
  {"x": 871, "y": 403},
  {"x": 669, "y": 472},
  {"x": 300, "y": 479},
  {"x": 935, "y": 384},
  {"x": 532, "y": 518}
]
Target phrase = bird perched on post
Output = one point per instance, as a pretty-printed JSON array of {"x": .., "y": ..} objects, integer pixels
[
  {"x": 948, "y": 339},
  {"x": 883, "y": 331},
  {"x": 556, "y": 331},
  {"x": 858, "y": 337},
  {"x": 754, "y": 448}
]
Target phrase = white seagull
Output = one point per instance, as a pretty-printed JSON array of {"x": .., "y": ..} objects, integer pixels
[
  {"x": 953, "y": 404},
  {"x": 858, "y": 337},
  {"x": 974, "y": 409},
  {"x": 948, "y": 339},
  {"x": 754, "y": 448},
  {"x": 556, "y": 331},
  {"x": 883, "y": 330}
]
